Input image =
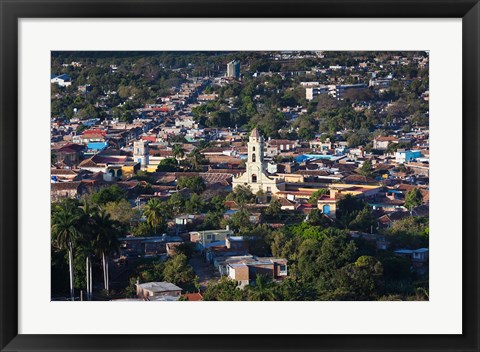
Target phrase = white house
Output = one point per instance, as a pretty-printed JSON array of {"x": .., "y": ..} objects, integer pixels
[{"x": 62, "y": 80}]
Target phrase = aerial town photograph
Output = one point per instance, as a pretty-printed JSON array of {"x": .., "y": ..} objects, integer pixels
[{"x": 239, "y": 176}]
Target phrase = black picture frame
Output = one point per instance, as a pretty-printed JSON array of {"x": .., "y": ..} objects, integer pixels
[{"x": 11, "y": 11}]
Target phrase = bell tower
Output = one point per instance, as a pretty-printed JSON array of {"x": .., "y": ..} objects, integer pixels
[
  {"x": 255, "y": 164},
  {"x": 140, "y": 153},
  {"x": 255, "y": 176}
]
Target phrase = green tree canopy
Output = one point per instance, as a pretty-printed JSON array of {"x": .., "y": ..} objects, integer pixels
[
  {"x": 178, "y": 151},
  {"x": 178, "y": 271},
  {"x": 359, "y": 281},
  {"x": 194, "y": 183},
  {"x": 239, "y": 220},
  {"x": 348, "y": 208},
  {"x": 274, "y": 209},
  {"x": 194, "y": 204},
  {"x": 262, "y": 289},
  {"x": 242, "y": 195},
  {"x": 107, "y": 195},
  {"x": 413, "y": 198},
  {"x": 411, "y": 232},
  {"x": 167, "y": 165},
  {"x": 153, "y": 211},
  {"x": 317, "y": 194},
  {"x": 224, "y": 290},
  {"x": 175, "y": 204},
  {"x": 364, "y": 221},
  {"x": 122, "y": 211},
  {"x": 366, "y": 169}
]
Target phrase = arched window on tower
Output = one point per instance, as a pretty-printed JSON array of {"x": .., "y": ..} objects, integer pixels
[
  {"x": 254, "y": 178},
  {"x": 253, "y": 157},
  {"x": 253, "y": 148}
]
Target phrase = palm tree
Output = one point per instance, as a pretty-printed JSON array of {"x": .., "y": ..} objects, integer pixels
[
  {"x": 178, "y": 151},
  {"x": 53, "y": 158},
  {"x": 262, "y": 291},
  {"x": 107, "y": 241},
  {"x": 65, "y": 231},
  {"x": 153, "y": 213},
  {"x": 87, "y": 246},
  {"x": 196, "y": 159},
  {"x": 88, "y": 243}
]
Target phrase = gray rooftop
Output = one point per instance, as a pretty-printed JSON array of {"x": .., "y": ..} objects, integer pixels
[
  {"x": 159, "y": 286},
  {"x": 163, "y": 298}
]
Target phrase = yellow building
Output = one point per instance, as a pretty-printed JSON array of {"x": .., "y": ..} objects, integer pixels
[
  {"x": 257, "y": 179},
  {"x": 130, "y": 169},
  {"x": 328, "y": 203}
]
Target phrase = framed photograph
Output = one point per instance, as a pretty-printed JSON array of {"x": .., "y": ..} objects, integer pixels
[{"x": 305, "y": 172}]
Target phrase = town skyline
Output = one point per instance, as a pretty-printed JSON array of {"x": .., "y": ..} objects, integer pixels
[{"x": 276, "y": 175}]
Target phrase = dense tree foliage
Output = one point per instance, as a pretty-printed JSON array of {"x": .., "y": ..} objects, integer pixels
[
  {"x": 241, "y": 195},
  {"x": 85, "y": 235},
  {"x": 107, "y": 195},
  {"x": 194, "y": 183},
  {"x": 413, "y": 198},
  {"x": 167, "y": 165},
  {"x": 327, "y": 260}
]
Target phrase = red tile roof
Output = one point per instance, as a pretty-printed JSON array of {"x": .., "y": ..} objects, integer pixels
[
  {"x": 193, "y": 296},
  {"x": 285, "y": 202},
  {"x": 94, "y": 131},
  {"x": 230, "y": 204},
  {"x": 62, "y": 172},
  {"x": 72, "y": 146},
  {"x": 63, "y": 186},
  {"x": 386, "y": 139},
  {"x": 279, "y": 142}
]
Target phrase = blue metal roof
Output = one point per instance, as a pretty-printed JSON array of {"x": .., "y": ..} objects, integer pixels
[
  {"x": 97, "y": 145},
  {"x": 65, "y": 77}
]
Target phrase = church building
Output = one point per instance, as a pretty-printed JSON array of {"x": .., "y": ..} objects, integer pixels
[{"x": 256, "y": 175}]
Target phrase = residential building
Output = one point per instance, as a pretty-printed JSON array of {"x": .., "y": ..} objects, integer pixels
[
  {"x": 151, "y": 245},
  {"x": 204, "y": 238},
  {"x": 62, "y": 80},
  {"x": 321, "y": 145},
  {"x": 339, "y": 91},
  {"x": 96, "y": 146},
  {"x": 418, "y": 257},
  {"x": 419, "y": 168},
  {"x": 238, "y": 243},
  {"x": 69, "y": 155},
  {"x": 245, "y": 271},
  {"x": 233, "y": 69},
  {"x": 108, "y": 164},
  {"x": 404, "y": 156},
  {"x": 335, "y": 91},
  {"x": 60, "y": 190},
  {"x": 382, "y": 142},
  {"x": 282, "y": 145},
  {"x": 313, "y": 92},
  {"x": 380, "y": 83},
  {"x": 152, "y": 291},
  {"x": 328, "y": 203}
]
